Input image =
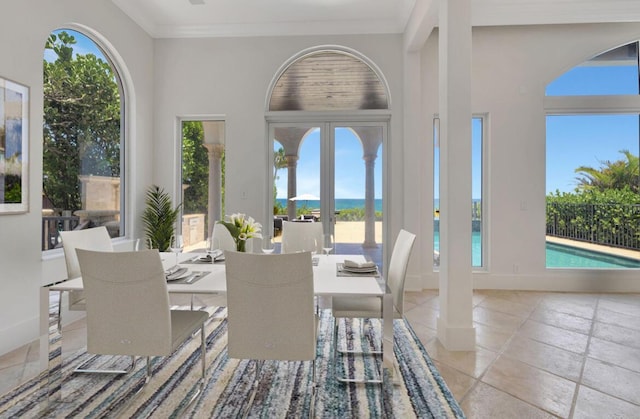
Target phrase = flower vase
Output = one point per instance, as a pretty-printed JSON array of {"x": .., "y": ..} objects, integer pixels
[{"x": 241, "y": 245}]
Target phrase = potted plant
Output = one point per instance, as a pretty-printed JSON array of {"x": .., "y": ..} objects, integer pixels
[{"x": 159, "y": 218}]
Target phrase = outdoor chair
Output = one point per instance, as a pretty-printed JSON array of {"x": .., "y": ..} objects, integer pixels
[
  {"x": 270, "y": 311},
  {"x": 371, "y": 307},
  {"x": 91, "y": 239},
  {"x": 128, "y": 310}
]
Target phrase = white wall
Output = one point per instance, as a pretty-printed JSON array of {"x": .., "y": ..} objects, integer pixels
[
  {"x": 231, "y": 77},
  {"x": 511, "y": 67},
  {"x": 26, "y": 24}
]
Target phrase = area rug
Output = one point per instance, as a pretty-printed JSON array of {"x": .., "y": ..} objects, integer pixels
[{"x": 284, "y": 389}]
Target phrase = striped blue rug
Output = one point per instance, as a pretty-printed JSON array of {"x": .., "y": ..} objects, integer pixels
[{"x": 284, "y": 390}]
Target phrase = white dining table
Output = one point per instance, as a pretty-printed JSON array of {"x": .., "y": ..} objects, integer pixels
[{"x": 327, "y": 283}]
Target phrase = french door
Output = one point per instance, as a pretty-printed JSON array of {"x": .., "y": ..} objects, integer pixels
[{"x": 332, "y": 172}]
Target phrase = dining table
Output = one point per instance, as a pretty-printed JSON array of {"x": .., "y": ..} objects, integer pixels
[{"x": 329, "y": 281}]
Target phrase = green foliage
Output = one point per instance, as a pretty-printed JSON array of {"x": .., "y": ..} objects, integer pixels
[
  {"x": 195, "y": 168},
  {"x": 81, "y": 133},
  {"x": 13, "y": 191},
  {"x": 609, "y": 216},
  {"x": 355, "y": 214},
  {"x": 621, "y": 174},
  {"x": 159, "y": 218},
  {"x": 278, "y": 208}
]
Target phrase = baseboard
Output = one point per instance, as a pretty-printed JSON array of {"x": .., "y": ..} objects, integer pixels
[
  {"x": 555, "y": 281},
  {"x": 19, "y": 334}
]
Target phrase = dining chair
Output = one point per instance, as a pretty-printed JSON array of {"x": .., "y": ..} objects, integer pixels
[
  {"x": 302, "y": 237},
  {"x": 270, "y": 311},
  {"x": 222, "y": 239},
  {"x": 96, "y": 238},
  {"x": 371, "y": 307},
  {"x": 128, "y": 310}
]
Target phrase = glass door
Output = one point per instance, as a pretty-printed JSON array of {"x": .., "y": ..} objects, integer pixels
[
  {"x": 331, "y": 173},
  {"x": 355, "y": 188}
]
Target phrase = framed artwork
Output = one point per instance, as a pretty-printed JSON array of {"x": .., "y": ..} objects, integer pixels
[{"x": 14, "y": 147}]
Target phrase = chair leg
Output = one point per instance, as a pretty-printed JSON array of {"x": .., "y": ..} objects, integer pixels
[
  {"x": 203, "y": 353},
  {"x": 379, "y": 370},
  {"x": 80, "y": 369},
  {"x": 148, "y": 376},
  {"x": 351, "y": 351},
  {"x": 312, "y": 402},
  {"x": 254, "y": 391}
]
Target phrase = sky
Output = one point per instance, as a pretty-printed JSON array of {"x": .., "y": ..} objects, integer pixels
[
  {"x": 349, "y": 167},
  {"x": 588, "y": 140},
  {"x": 83, "y": 46}
]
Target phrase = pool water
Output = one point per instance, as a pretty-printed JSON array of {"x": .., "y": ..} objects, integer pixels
[{"x": 558, "y": 256}]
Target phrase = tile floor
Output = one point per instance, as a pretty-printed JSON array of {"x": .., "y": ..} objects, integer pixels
[{"x": 538, "y": 354}]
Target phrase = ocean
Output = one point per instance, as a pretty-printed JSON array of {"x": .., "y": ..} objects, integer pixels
[{"x": 340, "y": 203}]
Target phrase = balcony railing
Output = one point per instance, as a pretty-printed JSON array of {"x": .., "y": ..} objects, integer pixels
[
  {"x": 614, "y": 225},
  {"x": 53, "y": 225}
]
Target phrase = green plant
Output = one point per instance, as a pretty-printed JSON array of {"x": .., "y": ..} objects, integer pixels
[{"x": 159, "y": 218}]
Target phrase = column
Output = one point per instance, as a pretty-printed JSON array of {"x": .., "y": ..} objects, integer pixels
[
  {"x": 292, "y": 165},
  {"x": 369, "y": 202},
  {"x": 455, "y": 321},
  {"x": 214, "y": 205}
]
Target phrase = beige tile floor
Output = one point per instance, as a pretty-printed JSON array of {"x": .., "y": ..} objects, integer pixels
[{"x": 538, "y": 354}]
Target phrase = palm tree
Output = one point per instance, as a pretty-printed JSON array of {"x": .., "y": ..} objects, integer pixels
[{"x": 619, "y": 175}]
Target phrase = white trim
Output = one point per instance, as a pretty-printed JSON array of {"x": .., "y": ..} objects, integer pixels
[{"x": 605, "y": 104}]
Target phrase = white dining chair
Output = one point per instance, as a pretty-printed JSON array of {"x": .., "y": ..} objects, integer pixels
[
  {"x": 270, "y": 310},
  {"x": 128, "y": 311},
  {"x": 302, "y": 237},
  {"x": 371, "y": 307},
  {"x": 223, "y": 240},
  {"x": 96, "y": 238}
]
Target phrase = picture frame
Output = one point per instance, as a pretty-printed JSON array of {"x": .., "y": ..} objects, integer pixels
[{"x": 14, "y": 147}]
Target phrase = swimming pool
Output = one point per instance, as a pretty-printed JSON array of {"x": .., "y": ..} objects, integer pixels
[{"x": 559, "y": 256}]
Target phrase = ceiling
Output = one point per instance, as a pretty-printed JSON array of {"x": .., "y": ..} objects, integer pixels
[{"x": 209, "y": 18}]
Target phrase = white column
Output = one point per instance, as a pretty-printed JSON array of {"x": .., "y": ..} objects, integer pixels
[
  {"x": 455, "y": 321},
  {"x": 369, "y": 201},
  {"x": 292, "y": 186},
  {"x": 214, "y": 204}
]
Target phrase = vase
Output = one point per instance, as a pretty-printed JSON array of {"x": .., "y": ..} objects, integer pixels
[{"x": 241, "y": 245}]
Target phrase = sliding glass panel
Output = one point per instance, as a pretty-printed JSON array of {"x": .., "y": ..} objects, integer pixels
[{"x": 358, "y": 190}]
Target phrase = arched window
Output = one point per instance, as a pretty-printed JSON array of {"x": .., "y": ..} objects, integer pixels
[
  {"x": 331, "y": 80},
  {"x": 593, "y": 137},
  {"x": 83, "y": 149}
]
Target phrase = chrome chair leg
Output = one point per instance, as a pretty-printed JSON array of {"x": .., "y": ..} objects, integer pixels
[
  {"x": 80, "y": 369},
  {"x": 254, "y": 391},
  {"x": 379, "y": 369}
]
